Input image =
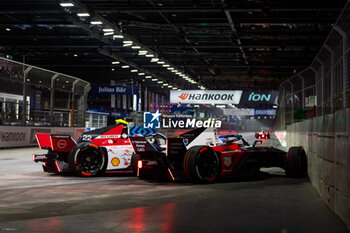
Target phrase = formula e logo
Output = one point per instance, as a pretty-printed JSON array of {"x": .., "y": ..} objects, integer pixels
[
  {"x": 184, "y": 96},
  {"x": 151, "y": 120}
]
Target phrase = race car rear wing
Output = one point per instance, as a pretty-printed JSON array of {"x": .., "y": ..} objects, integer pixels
[{"x": 55, "y": 142}]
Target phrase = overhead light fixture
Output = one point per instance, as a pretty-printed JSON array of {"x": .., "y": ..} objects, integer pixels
[
  {"x": 178, "y": 73},
  {"x": 161, "y": 62},
  {"x": 118, "y": 37},
  {"x": 165, "y": 84},
  {"x": 113, "y": 69},
  {"x": 66, "y": 4},
  {"x": 96, "y": 22},
  {"x": 166, "y": 65},
  {"x": 154, "y": 59},
  {"x": 149, "y": 55},
  {"x": 127, "y": 42},
  {"x": 174, "y": 71},
  {"x": 83, "y": 14},
  {"x": 125, "y": 67},
  {"x": 108, "y": 30},
  {"x": 141, "y": 74},
  {"x": 160, "y": 82},
  {"x": 8, "y": 29},
  {"x": 170, "y": 86},
  {"x": 115, "y": 62},
  {"x": 148, "y": 76},
  {"x": 135, "y": 47},
  {"x": 108, "y": 33},
  {"x": 133, "y": 71},
  {"x": 275, "y": 106},
  {"x": 126, "y": 45},
  {"x": 154, "y": 79},
  {"x": 75, "y": 55}
]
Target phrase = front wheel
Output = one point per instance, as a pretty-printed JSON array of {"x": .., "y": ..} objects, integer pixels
[
  {"x": 202, "y": 164},
  {"x": 87, "y": 159},
  {"x": 296, "y": 165}
]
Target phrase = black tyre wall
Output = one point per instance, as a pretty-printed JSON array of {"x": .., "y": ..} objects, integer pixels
[{"x": 296, "y": 165}]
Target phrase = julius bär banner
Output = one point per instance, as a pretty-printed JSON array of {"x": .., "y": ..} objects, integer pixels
[{"x": 205, "y": 97}]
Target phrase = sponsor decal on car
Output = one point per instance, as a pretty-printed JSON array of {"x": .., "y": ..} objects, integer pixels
[{"x": 115, "y": 161}]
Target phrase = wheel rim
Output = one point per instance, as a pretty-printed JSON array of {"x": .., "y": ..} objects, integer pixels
[
  {"x": 89, "y": 160},
  {"x": 207, "y": 165}
]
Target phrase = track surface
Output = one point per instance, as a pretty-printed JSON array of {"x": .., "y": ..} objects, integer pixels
[{"x": 33, "y": 201}]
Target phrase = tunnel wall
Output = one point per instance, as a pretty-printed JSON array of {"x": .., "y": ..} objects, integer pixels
[{"x": 327, "y": 144}]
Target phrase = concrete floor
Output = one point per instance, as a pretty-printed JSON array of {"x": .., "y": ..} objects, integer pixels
[{"x": 33, "y": 201}]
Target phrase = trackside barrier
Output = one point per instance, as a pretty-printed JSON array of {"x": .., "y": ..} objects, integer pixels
[{"x": 20, "y": 136}]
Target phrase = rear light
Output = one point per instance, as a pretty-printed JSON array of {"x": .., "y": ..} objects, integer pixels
[{"x": 139, "y": 164}]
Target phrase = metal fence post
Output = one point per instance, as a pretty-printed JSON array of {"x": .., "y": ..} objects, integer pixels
[
  {"x": 331, "y": 51},
  {"x": 302, "y": 91},
  {"x": 292, "y": 98},
  {"x": 25, "y": 73},
  {"x": 322, "y": 84},
  {"x": 345, "y": 62},
  {"x": 73, "y": 103},
  {"x": 52, "y": 96}
]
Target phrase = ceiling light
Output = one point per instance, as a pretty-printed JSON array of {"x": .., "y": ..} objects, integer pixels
[
  {"x": 126, "y": 45},
  {"x": 108, "y": 33},
  {"x": 170, "y": 68},
  {"x": 135, "y": 47},
  {"x": 161, "y": 62},
  {"x": 75, "y": 55},
  {"x": 115, "y": 62},
  {"x": 174, "y": 71},
  {"x": 95, "y": 22},
  {"x": 165, "y": 84},
  {"x": 170, "y": 86},
  {"x": 127, "y": 42},
  {"x": 133, "y": 71},
  {"x": 118, "y": 36},
  {"x": 83, "y": 14},
  {"x": 149, "y": 55},
  {"x": 148, "y": 76},
  {"x": 141, "y": 73},
  {"x": 160, "y": 82},
  {"x": 166, "y": 65},
  {"x": 154, "y": 79},
  {"x": 143, "y": 51},
  {"x": 113, "y": 69},
  {"x": 108, "y": 30},
  {"x": 8, "y": 29},
  {"x": 178, "y": 73},
  {"x": 66, "y": 4},
  {"x": 154, "y": 59},
  {"x": 124, "y": 67}
]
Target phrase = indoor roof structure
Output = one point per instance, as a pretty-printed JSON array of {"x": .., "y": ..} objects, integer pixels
[{"x": 207, "y": 44}]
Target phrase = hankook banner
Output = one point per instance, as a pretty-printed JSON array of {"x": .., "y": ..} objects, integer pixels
[{"x": 205, "y": 97}]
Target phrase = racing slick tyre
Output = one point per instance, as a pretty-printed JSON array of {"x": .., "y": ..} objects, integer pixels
[
  {"x": 268, "y": 136},
  {"x": 296, "y": 162},
  {"x": 202, "y": 164},
  {"x": 87, "y": 159}
]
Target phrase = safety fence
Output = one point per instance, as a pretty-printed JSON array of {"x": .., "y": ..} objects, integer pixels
[
  {"x": 323, "y": 87},
  {"x": 33, "y": 96}
]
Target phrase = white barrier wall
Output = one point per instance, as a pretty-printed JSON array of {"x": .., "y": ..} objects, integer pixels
[
  {"x": 326, "y": 140},
  {"x": 20, "y": 136}
]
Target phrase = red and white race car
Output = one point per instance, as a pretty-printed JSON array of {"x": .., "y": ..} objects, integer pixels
[
  {"x": 262, "y": 134},
  {"x": 103, "y": 150}
]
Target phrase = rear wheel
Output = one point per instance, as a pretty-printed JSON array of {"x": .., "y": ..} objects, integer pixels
[
  {"x": 297, "y": 162},
  {"x": 87, "y": 159},
  {"x": 134, "y": 163},
  {"x": 202, "y": 164}
]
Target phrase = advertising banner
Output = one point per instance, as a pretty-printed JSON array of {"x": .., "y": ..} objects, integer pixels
[
  {"x": 21, "y": 136},
  {"x": 310, "y": 101},
  {"x": 205, "y": 97},
  {"x": 259, "y": 97},
  {"x": 239, "y": 111},
  {"x": 113, "y": 90},
  {"x": 265, "y": 112}
]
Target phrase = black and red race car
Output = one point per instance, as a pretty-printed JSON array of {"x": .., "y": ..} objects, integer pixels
[
  {"x": 202, "y": 156},
  {"x": 103, "y": 150},
  {"x": 262, "y": 134}
]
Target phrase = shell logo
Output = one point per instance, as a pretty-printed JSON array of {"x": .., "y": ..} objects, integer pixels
[{"x": 115, "y": 161}]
